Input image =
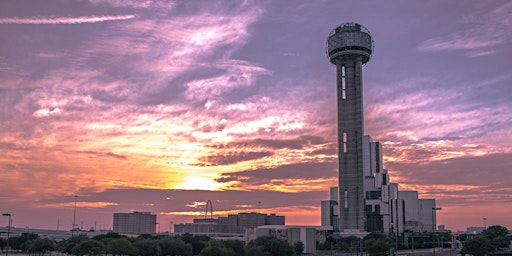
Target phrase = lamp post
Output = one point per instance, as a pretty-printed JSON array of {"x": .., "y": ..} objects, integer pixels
[
  {"x": 434, "y": 209},
  {"x": 8, "y": 232},
  {"x": 74, "y": 213}
]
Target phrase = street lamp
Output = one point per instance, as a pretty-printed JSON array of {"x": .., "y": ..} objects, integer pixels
[
  {"x": 8, "y": 232},
  {"x": 74, "y": 215},
  {"x": 434, "y": 209}
]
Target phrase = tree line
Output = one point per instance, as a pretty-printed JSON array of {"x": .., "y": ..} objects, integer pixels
[
  {"x": 149, "y": 245},
  {"x": 492, "y": 239}
]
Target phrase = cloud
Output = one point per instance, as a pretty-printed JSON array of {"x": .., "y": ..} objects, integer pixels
[
  {"x": 291, "y": 177},
  {"x": 138, "y": 4},
  {"x": 428, "y": 119},
  {"x": 485, "y": 170},
  {"x": 459, "y": 42},
  {"x": 483, "y": 36},
  {"x": 79, "y": 204},
  {"x": 65, "y": 20},
  {"x": 297, "y": 143},
  {"x": 233, "y": 157}
]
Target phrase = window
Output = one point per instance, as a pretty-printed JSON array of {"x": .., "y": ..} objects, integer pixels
[
  {"x": 346, "y": 198},
  {"x": 373, "y": 194},
  {"x": 343, "y": 86},
  {"x": 344, "y": 142}
]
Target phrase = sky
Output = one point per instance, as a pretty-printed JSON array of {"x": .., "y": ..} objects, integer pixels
[{"x": 160, "y": 106}]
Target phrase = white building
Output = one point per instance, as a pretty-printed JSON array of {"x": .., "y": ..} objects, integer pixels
[
  {"x": 387, "y": 210},
  {"x": 330, "y": 210},
  {"x": 420, "y": 214}
]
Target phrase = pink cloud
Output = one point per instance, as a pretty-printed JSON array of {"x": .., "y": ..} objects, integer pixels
[
  {"x": 485, "y": 33},
  {"x": 64, "y": 20}
]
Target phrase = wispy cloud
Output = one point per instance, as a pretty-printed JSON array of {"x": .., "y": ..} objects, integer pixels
[
  {"x": 65, "y": 20},
  {"x": 484, "y": 34},
  {"x": 138, "y": 4},
  {"x": 458, "y": 42}
]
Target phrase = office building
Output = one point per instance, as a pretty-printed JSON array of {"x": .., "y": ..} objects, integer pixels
[
  {"x": 135, "y": 223},
  {"x": 330, "y": 210},
  {"x": 387, "y": 210},
  {"x": 367, "y": 201}
]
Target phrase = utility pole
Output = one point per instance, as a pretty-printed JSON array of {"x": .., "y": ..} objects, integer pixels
[
  {"x": 434, "y": 209},
  {"x": 74, "y": 219},
  {"x": 8, "y": 232}
]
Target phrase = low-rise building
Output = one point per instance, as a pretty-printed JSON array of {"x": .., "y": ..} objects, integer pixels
[{"x": 231, "y": 224}]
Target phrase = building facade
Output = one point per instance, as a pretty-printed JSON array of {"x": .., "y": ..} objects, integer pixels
[
  {"x": 387, "y": 210},
  {"x": 135, "y": 223},
  {"x": 330, "y": 210}
]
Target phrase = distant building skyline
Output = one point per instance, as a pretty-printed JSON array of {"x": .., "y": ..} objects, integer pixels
[
  {"x": 388, "y": 210},
  {"x": 232, "y": 224}
]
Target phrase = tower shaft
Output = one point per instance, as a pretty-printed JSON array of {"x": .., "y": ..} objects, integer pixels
[{"x": 350, "y": 138}]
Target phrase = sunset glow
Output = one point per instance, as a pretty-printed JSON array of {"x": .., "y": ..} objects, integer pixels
[{"x": 160, "y": 106}]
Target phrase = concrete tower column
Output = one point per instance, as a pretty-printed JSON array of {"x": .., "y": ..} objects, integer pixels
[
  {"x": 350, "y": 137},
  {"x": 349, "y": 46}
]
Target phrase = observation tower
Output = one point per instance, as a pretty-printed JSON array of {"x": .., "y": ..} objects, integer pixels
[{"x": 349, "y": 47}]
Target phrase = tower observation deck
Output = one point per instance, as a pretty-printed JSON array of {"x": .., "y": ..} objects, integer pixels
[{"x": 349, "y": 46}]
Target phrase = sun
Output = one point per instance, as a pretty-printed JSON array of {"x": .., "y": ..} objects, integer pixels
[{"x": 199, "y": 183}]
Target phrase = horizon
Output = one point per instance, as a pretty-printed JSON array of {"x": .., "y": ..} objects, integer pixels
[{"x": 160, "y": 106}]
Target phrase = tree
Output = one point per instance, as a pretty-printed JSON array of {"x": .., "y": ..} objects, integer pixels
[
  {"x": 350, "y": 243},
  {"x": 376, "y": 246},
  {"x": 3, "y": 243},
  {"x": 147, "y": 236},
  {"x": 148, "y": 247},
  {"x": 477, "y": 246},
  {"x": 66, "y": 246},
  {"x": 41, "y": 245},
  {"x": 198, "y": 243},
  {"x": 216, "y": 248},
  {"x": 121, "y": 246},
  {"x": 88, "y": 247},
  {"x": 499, "y": 236},
  {"x": 18, "y": 242},
  {"x": 269, "y": 245},
  {"x": 298, "y": 247},
  {"x": 106, "y": 238},
  {"x": 172, "y": 247},
  {"x": 236, "y": 245}
]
